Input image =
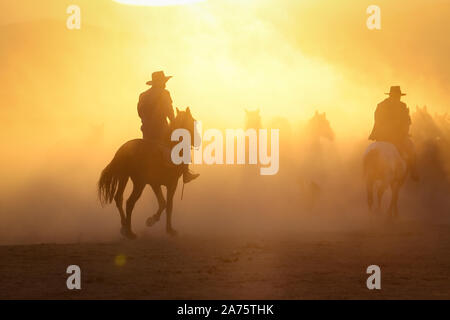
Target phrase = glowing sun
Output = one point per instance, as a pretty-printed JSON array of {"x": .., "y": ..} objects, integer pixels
[{"x": 156, "y": 2}]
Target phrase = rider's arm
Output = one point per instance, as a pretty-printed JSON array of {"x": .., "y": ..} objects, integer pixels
[
  {"x": 377, "y": 114},
  {"x": 170, "y": 114},
  {"x": 140, "y": 106}
]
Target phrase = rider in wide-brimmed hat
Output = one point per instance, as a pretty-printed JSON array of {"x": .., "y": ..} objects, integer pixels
[
  {"x": 392, "y": 123},
  {"x": 158, "y": 78},
  {"x": 154, "y": 109}
]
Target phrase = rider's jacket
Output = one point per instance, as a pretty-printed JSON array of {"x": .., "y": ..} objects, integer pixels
[
  {"x": 154, "y": 108},
  {"x": 392, "y": 122}
]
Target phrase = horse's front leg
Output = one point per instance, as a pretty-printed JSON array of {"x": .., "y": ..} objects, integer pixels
[
  {"x": 170, "y": 193},
  {"x": 380, "y": 194},
  {"x": 161, "y": 203}
]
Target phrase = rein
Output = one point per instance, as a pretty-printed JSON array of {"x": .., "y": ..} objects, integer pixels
[
  {"x": 173, "y": 143},
  {"x": 182, "y": 192}
]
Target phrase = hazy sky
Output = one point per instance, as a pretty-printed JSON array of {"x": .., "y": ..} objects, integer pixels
[
  {"x": 410, "y": 50},
  {"x": 69, "y": 97}
]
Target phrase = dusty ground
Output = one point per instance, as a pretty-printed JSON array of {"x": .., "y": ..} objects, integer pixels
[{"x": 414, "y": 260}]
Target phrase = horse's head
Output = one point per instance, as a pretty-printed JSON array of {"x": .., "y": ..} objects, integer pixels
[
  {"x": 319, "y": 126},
  {"x": 185, "y": 120},
  {"x": 252, "y": 119}
]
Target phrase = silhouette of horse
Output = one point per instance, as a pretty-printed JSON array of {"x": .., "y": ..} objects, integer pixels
[
  {"x": 384, "y": 168},
  {"x": 313, "y": 165},
  {"x": 145, "y": 162},
  {"x": 431, "y": 136},
  {"x": 318, "y": 127},
  {"x": 425, "y": 127},
  {"x": 443, "y": 122}
]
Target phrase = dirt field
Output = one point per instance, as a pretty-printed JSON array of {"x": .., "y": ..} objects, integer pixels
[{"x": 414, "y": 261}]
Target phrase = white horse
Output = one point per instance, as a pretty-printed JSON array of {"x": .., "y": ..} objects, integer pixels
[{"x": 384, "y": 168}]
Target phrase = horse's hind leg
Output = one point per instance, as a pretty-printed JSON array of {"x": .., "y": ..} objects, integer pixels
[
  {"x": 393, "y": 209},
  {"x": 138, "y": 187},
  {"x": 369, "y": 189},
  {"x": 161, "y": 203},
  {"x": 118, "y": 198},
  {"x": 170, "y": 193}
]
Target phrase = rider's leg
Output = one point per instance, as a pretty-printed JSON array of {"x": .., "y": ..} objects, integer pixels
[{"x": 188, "y": 176}]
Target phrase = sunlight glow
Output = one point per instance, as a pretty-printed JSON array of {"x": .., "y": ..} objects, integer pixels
[{"x": 156, "y": 2}]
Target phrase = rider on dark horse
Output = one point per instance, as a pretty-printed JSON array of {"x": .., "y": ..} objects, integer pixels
[
  {"x": 154, "y": 109},
  {"x": 392, "y": 122}
]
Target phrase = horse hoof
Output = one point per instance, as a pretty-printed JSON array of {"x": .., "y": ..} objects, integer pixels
[
  {"x": 172, "y": 232},
  {"x": 131, "y": 236},
  {"x": 127, "y": 233},
  {"x": 151, "y": 221}
]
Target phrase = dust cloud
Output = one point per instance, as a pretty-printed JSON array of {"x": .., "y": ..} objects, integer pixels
[
  {"x": 69, "y": 102},
  {"x": 319, "y": 187}
]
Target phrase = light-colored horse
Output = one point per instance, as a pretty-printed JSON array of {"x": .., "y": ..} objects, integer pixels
[
  {"x": 145, "y": 162},
  {"x": 384, "y": 168}
]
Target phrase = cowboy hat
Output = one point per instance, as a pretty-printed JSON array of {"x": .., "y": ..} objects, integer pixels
[
  {"x": 395, "y": 90},
  {"x": 158, "y": 77}
]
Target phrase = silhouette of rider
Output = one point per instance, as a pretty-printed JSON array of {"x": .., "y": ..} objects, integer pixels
[
  {"x": 392, "y": 122},
  {"x": 154, "y": 109}
]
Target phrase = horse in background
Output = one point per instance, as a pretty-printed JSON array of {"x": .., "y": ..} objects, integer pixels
[
  {"x": 146, "y": 163},
  {"x": 443, "y": 122},
  {"x": 431, "y": 135},
  {"x": 253, "y": 120},
  {"x": 317, "y": 129},
  {"x": 316, "y": 136},
  {"x": 425, "y": 127}
]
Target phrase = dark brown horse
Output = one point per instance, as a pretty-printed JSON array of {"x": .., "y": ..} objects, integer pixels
[{"x": 145, "y": 162}]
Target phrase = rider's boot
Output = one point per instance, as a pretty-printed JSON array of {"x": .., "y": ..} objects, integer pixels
[{"x": 188, "y": 176}]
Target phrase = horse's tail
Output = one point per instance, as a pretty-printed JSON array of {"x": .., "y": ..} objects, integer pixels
[{"x": 109, "y": 180}]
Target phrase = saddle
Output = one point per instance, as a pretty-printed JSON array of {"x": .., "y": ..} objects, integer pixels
[{"x": 162, "y": 149}]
